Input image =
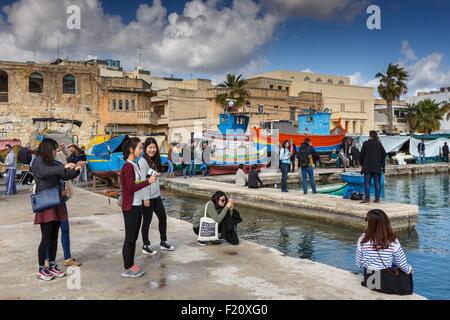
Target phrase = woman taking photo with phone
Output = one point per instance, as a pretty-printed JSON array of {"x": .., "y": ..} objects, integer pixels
[
  {"x": 151, "y": 197},
  {"x": 48, "y": 174},
  {"x": 132, "y": 182}
]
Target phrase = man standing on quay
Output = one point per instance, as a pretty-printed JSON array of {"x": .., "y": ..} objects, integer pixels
[{"x": 372, "y": 160}]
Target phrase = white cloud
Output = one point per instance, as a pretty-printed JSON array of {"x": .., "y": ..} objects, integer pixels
[
  {"x": 205, "y": 38},
  {"x": 424, "y": 72},
  {"x": 308, "y": 70},
  {"x": 358, "y": 79}
]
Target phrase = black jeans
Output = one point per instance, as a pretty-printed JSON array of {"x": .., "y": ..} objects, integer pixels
[
  {"x": 156, "y": 206},
  {"x": 49, "y": 240},
  {"x": 132, "y": 221}
]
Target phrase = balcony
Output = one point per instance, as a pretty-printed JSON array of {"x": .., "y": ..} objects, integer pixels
[
  {"x": 127, "y": 85},
  {"x": 130, "y": 118}
]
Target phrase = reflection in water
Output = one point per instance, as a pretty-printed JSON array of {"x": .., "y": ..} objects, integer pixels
[{"x": 427, "y": 246}]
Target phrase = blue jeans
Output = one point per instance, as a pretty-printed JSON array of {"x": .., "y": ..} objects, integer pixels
[
  {"x": 284, "y": 175},
  {"x": 422, "y": 159},
  {"x": 310, "y": 172},
  {"x": 170, "y": 169},
  {"x": 377, "y": 179},
  {"x": 65, "y": 240},
  {"x": 11, "y": 182}
]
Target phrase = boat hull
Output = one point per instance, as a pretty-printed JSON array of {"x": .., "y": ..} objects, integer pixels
[{"x": 322, "y": 143}]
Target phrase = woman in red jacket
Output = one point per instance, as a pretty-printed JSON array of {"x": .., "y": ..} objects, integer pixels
[{"x": 132, "y": 182}]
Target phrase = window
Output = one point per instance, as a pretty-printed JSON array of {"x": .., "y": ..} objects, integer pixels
[
  {"x": 330, "y": 81},
  {"x": 120, "y": 105},
  {"x": 159, "y": 110},
  {"x": 342, "y": 107},
  {"x": 133, "y": 105},
  {"x": 363, "y": 109},
  {"x": 114, "y": 105},
  {"x": 36, "y": 83},
  {"x": 271, "y": 86},
  {"x": 3, "y": 86},
  {"x": 307, "y": 79},
  {"x": 69, "y": 84},
  {"x": 341, "y": 82},
  {"x": 318, "y": 80},
  {"x": 279, "y": 87},
  {"x": 127, "y": 105}
]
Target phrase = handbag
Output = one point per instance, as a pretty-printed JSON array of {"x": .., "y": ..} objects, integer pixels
[
  {"x": 393, "y": 280},
  {"x": 208, "y": 229},
  {"x": 45, "y": 199}
]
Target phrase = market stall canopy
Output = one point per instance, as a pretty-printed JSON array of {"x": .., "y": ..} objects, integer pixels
[{"x": 390, "y": 143}]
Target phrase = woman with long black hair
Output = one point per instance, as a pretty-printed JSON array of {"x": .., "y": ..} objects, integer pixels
[
  {"x": 132, "y": 182},
  {"x": 151, "y": 197},
  {"x": 48, "y": 173},
  {"x": 222, "y": 211}
]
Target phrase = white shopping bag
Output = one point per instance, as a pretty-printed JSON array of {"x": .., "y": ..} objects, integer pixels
[{"x": 208, "y": 230}]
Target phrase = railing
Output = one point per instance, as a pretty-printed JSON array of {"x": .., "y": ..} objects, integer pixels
[
  {"x": 3, "y": 96},
  {"x": 128, "y": 83},
  {"x": 127, "y": 117}
]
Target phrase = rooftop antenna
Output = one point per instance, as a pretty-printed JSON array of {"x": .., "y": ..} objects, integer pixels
[{"x": 139, "y": 47}]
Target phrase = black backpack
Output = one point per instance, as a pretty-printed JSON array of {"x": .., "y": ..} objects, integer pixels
[
  {"x": 357, "y": 196},
  {"x": 303, "y": 156}
]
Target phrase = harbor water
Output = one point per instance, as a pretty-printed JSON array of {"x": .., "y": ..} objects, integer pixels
[{"x": 427, "y": 246}]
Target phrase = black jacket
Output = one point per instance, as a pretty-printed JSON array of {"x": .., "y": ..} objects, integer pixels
[
  {"x": 24, "y": 156},
  {"x": 49, "y": 176},
  {"x": 445, "y": 150},
  {"x": 253, "y": 179},
  {"x": 227, "y": 227},
  {"x": 311, "y": 152},
  {"x": 372, "y": 156}
]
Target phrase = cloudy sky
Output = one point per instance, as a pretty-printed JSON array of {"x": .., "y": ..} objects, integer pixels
[{"x": 208, "y": 38}]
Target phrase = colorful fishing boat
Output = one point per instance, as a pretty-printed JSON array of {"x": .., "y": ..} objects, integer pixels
[
  {"x": 232, "y": 145},
  {"x": 105, "y": 160},
  {"x": 316, "y": 127}
]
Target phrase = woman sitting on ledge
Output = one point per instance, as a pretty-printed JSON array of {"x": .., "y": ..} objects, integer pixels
[
  {"x": 378, "y": 250},
  {"x": 222, "y": 211}
]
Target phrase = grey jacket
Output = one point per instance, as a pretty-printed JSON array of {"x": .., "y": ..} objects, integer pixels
[
  {"x": 49, "y": 176},
  {"x": 153, "y": 190},
  {"x": 11, "y": 160}
]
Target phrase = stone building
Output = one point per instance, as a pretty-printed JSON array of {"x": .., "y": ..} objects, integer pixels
[
  {"x": 399, "y": 109},
  {"x": 352, "y": 104},
  {"x": 74, "y": 91}
]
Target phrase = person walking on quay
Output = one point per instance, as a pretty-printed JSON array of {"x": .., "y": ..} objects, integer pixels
[
  {"x": 421, "y": 151},
  {"x": 372, "y": 159},
  {"x": 305, "y": 156},
  {"x": 132, "y": 182},
  {"x": 170, "y": 171},
  {"x": 254, "y": 181},
  {"x": 222, "y": 211},
  {"x": 206, "y": 158},
  {"x": 285, "y": 159},
  {"x": 379, "y": 250},
  {"x": 293, "y": 149},
  {"x": 48, "y": 174},
  {"x": 445, "y": 152},
  {"x": 11, "y": 163},
  {"x": 151, "y": 198}
]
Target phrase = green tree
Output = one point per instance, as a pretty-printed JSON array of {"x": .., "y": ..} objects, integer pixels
[
  {"x": 235, "y": 89},
  {"x": 426, "y": 115},
  {"x": 392, "y": 85}
]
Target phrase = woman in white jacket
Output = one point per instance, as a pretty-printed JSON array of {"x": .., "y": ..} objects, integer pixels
[{"x": 151, "y": 197}]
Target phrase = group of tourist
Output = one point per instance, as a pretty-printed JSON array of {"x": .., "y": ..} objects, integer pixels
[{"x": 378, "y": 249}]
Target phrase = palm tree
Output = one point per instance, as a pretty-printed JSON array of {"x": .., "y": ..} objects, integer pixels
[
  {"x": 392, "y": 86},
  {"x": 235, "y": 90},
  {"x": 426, "y": 115}
]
